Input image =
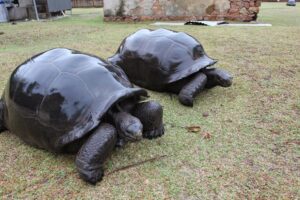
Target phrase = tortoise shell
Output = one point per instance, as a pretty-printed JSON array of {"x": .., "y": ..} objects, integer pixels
[
  {"x": 59, "y": 96},
  {"x": 152, "y": 59}
]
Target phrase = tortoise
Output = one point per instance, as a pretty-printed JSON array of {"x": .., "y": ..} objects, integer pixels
[
  {"x": 165, "y": 60},
  {"x": 66, "y": 101}
]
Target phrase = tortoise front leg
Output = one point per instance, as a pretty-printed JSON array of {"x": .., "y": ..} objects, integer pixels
[
  {"x": 217, "y": 77},
  {"x": 93, "y": 153},
  {"x": 2, "y": 127},
  {"x": 151, "y": 116},
  {"x": 190, "y": 90}
]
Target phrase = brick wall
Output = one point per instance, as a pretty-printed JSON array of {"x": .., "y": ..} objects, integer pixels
[{"x": 127, "y": 10}]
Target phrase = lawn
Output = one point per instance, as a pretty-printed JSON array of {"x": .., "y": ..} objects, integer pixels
[{"x": 248, "y": 145}]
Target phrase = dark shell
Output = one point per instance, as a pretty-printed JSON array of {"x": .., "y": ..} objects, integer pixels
[
  {"x": 153, "y": 59},
  {"x": 60, "y": 95}
]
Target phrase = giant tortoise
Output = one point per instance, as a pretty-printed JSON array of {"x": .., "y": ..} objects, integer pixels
[
  {"x": 164, "y": 60},
  {"x": 63, "y": 100}
]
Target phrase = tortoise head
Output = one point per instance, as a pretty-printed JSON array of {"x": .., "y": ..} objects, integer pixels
[
  {"x": 223, "y": 78},
  {"x": 129, "y": 127}
]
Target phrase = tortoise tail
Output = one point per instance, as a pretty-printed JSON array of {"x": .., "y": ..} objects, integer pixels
[{"x": 2, "y": 127}]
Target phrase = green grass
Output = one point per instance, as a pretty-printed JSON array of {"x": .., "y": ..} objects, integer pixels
[{"x": 253, "y": 151}]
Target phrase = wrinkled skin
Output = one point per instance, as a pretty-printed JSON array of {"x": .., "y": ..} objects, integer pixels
[
  {"x": 66, "y": 101},
  {"x": 164, "y": 60}
]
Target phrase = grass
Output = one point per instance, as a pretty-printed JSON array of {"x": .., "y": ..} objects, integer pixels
[{"x": 253, "y": 151}]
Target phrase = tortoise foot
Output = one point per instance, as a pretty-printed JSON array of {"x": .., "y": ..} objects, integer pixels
[
  {"x": 151, "y": 115},
  {"x": 152, "y": 134},
  {"x": 186, "y": 100},
  {"x": 91, "y": 176}
]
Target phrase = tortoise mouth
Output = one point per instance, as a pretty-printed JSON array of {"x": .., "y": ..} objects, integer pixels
[
  {"x": 225, "y": 81},
  {"x": 133, "y": 138}
]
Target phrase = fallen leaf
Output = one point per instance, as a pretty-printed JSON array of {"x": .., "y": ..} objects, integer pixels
[
  {"x": 229, "y": 120},
  {"x": 193, "y": 129},
  {"x": 297, "y": 142},
  {"x": 205, "y": 114},
  {"x": 206, "y": 135}
]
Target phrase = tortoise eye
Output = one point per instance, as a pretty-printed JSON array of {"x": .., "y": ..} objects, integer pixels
[{"x": 198, "y": 51}]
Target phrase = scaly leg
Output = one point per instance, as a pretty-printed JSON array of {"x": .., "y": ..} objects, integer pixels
[
  {"x": 151, "y": 115},
  {"x": 93, "y": 153},
  {"x": 192, "y": 88}
]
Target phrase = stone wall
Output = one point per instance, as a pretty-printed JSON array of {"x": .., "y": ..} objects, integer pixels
[{"x": 136, "y": 10}]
